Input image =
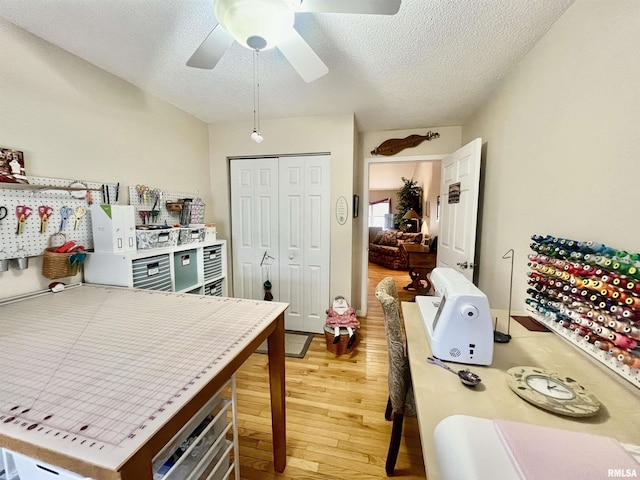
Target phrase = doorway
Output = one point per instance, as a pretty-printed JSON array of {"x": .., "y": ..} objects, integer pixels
[{"x": 430, "y": 205}]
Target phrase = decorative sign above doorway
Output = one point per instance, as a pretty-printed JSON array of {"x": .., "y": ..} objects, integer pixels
[{"x": 396, "y": 145}]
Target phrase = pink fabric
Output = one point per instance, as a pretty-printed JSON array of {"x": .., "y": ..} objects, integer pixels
[
  {"x": 542, "y": 453},
  {"x": 346, "y": 319}
]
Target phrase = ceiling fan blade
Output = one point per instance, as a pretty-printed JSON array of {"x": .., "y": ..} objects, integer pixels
[
  {"x": 380, "y": 7},
  {"x": 302, "y": 57},
  {"x": 211, "y": 49}
]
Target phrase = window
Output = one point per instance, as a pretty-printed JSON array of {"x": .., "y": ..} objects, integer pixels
[{"x": 377, "y": 211}]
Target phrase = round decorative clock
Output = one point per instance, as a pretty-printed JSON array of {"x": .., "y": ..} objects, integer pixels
[{"x": 549, "y": 391}]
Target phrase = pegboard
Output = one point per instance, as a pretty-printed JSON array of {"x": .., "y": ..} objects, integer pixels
[
  {"x": 145, "y": 203},
  {"x": 31, "y": 242}
]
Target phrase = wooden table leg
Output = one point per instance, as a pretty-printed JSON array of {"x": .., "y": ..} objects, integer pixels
[
  {"x": 277, "y": 386},
  {"x": 419, "y": 280}
]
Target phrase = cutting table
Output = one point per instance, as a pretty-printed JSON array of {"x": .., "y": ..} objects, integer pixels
[{"x": 98, "y": 379}]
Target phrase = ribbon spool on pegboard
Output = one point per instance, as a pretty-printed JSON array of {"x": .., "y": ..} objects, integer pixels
[{"x": 589, "y": 293}]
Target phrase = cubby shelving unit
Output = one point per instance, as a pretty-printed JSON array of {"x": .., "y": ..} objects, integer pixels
[{"x": 198, "y": 268}]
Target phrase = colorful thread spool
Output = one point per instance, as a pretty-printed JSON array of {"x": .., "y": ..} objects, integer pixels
[
  {"x": 622, "y": 340},
  {"x": 631, "y": 331}
]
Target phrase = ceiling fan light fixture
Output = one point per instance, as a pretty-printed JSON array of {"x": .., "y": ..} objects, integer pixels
[{"x": 256, "y": 24}]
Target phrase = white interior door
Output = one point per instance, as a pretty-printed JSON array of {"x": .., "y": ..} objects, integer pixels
[
  {"x": 254, "y": 225},
  {"x": 459, "y": 190},
  {"x": 305, "y": 240}
]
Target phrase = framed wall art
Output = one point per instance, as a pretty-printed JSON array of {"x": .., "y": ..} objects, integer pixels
[{"x": 12, "y": 166}]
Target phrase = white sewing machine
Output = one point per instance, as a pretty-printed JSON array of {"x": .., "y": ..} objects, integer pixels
[{"x": 458, "y": 319}]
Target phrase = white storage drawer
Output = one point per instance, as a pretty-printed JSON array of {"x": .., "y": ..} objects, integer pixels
[
  {"x": 21, "y": 467},
  {"x": 212, "y": 262},
  {"x": 201, "y": 449},
  {"x": 218, "y": 466},
  {"x": 152, "y": 273}
]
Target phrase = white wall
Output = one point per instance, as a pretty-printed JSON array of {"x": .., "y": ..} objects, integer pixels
[
  {"x": 332, "y": 134},
  {"x": 430, "y": 183},
  {"x": 563, "y": 143},
  {"x": 73, "y": 120}
]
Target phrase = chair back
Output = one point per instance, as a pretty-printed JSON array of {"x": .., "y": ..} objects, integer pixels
[{"x": 399, "y": 381}]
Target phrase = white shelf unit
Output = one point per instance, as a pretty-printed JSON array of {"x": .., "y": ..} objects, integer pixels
[
  {"x": 198, "y": 268},
  {"x": 206, "y": 448}
]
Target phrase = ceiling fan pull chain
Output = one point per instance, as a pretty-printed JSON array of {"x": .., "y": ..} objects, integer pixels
[
  {"x": 255, "y": 83},
  {"x": 256, "y": 136},
  {"x": 258, "y": 90}
]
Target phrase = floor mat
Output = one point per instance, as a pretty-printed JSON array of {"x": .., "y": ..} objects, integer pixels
[{"x": 295, "y": 344}]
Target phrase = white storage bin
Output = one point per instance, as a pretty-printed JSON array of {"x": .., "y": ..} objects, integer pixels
[
  {"x": 31, "y": 469},
  {"x": 210, "y": 232},
  {"x": 7, "y": 466},
  {"x": 114, "y": 228}
]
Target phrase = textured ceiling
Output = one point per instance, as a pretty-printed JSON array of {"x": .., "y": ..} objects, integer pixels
[{"x": 432, "y": 64}]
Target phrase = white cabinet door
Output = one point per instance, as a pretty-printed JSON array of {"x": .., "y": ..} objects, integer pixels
[
  {"x": 305, "y": 240},
  {"x": 281, "y": 206},
  {"x": 254, "y": 225},
  {"x": 459, "y": 190}
]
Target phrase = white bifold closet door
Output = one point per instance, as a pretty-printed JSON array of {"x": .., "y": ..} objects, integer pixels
[
  {"x": 281, "y": 207},
  {"x": 254, "y": 225}
]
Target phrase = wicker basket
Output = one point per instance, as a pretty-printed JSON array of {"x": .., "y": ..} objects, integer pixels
[
  {"x": 56, "y": 265},
  {"x": 340, "y": 347}
]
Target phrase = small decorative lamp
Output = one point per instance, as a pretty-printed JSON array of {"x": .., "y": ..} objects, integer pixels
[{"x": 412, "y": 215}]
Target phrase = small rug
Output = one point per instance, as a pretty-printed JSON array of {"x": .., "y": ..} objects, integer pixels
[{"x": 295, "y": 344}]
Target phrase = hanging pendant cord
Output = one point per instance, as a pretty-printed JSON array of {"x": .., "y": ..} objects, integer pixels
[
  {"x": 255, "y": 88},
  {"x": 256, "y": 92}
]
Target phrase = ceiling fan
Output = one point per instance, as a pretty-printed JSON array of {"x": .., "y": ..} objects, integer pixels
[{"x": 264, "y": 24}]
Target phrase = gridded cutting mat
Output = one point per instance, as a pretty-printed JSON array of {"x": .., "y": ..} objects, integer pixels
[{"x": 94, "y": 371}]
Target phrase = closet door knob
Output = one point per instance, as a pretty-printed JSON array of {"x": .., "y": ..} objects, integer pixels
[{"x": 291, "y": 257}]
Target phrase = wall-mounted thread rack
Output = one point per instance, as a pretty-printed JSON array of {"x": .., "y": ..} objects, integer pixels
[{"x": 589, "y": 294}]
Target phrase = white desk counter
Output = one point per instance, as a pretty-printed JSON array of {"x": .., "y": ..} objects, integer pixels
[{"x": 440, "y": 394}]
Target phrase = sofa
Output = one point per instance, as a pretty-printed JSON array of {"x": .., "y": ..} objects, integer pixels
[{"x": 386, "y": 248}]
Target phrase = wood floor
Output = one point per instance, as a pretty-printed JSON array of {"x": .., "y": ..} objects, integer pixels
[{"x": 335, "y": 408}]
